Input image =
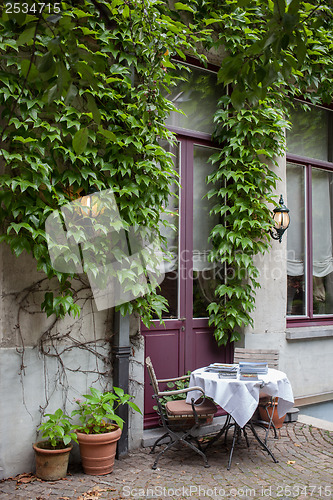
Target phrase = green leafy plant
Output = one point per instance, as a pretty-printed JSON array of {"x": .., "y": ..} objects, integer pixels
[
  {"x": 275, "y": 52},
  {"x": 83, "y": 105},
  {"x": 98, "y": 410},
  {"x": 57, "y": 430}
]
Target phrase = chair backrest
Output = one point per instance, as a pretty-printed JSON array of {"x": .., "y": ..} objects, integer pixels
[
  {"x": 152, "y": 375},
  {"x": 271, "y": 356}
]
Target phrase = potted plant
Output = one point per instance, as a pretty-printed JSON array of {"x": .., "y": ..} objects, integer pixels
[
  {"x": 52, "y": 455},
  {"x": 101, "y": 428}
]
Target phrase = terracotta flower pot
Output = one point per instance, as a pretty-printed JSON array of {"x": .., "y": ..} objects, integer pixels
[
  {"x": 51, "y": 465},
  {"x": 277, "y": 421},
  {"x": 98, "y": 451}
]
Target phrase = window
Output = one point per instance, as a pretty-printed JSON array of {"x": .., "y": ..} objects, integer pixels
[
  {"x": 310, "y": 199},
  {"x": 196, "y": 99}
]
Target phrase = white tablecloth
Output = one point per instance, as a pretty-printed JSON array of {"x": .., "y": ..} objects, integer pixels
[{"x": 240, "y": 398}]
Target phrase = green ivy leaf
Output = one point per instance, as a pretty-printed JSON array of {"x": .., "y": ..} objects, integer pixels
[
  {"x": 26, "y": 37},
  {"x": 29, "y": 70},
  {"x": 80, "y": 141},
  {"x": 183, "y": 6},
  {"x": 46, "y": 63}
]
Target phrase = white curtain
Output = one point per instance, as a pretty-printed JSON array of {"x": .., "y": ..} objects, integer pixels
[
  {"x": 295, "y": 201},
  {"x": 321, "y": 222},
  {"x": 171, "y": 235}
]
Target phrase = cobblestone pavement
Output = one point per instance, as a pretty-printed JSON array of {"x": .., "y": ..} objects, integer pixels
[{"x": 304, "y": 470}]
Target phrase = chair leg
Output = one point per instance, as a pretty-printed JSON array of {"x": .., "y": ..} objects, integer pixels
[
  {"x": 197, "y": 450},
  {"x": 168, "y": 446},
  {"x": 219, "y": 434},
  {"x": 174, "y": 439},
  {"x": 267, "y": 427},
  {"x": 270, "y": 424},
  {"x": 197, "y": 442},
  {"x": 158, "y": 440}
]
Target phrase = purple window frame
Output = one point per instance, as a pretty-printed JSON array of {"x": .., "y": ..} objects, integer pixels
[{"x": 309, "y": 319}]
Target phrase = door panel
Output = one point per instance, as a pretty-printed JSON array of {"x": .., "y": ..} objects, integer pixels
[
  {"x": 206, "y": 350},
  {"x": 164, "y": 348}
]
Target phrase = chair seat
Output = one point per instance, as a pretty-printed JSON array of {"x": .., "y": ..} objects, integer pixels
[{"x": 180, "y": 408}]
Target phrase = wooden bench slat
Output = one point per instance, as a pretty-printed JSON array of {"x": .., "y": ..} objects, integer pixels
[{"x": 270, "y": 356}]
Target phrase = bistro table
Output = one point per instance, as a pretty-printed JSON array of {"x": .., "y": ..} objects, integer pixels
[{"x": 240, "y": 398}]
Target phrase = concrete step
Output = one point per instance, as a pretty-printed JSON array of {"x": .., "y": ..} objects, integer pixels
[{"x": 292, "y": 415}]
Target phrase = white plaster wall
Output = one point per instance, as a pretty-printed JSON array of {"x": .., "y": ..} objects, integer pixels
[
  {"x": 307, "y": 363},
  {"x": 24, "y": 393},
  {"x": 22, "y": 292},
  {"x": 270, "y": 313},
  {"x": 29, "y": 381}
]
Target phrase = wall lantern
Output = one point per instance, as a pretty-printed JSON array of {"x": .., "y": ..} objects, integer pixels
[{"x": 281, "y": 220}]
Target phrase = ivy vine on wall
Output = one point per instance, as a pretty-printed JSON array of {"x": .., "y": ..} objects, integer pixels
[
  {"x": 82, "y": 109},
  {"x": 82, "y": 106},
  {"x": 275, "y": 51}
]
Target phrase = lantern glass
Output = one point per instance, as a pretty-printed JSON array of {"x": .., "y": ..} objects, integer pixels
[{"x": 281, "y": 220}]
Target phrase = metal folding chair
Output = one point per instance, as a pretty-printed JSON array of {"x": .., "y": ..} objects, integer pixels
[{"x": 180, "y": 419}]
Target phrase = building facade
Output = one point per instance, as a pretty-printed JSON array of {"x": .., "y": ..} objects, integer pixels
[{"x": 294, "y": 306}]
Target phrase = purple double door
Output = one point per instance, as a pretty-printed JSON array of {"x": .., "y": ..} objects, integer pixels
[{"x": 186, "y": 342}]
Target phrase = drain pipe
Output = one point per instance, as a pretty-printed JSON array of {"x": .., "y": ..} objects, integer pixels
[{"x": 121, "y": 351}]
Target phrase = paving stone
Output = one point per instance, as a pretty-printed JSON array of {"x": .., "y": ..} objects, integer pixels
[{"x": 305, "y": 470}]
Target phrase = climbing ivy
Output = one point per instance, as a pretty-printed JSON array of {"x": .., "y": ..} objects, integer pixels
[
  {"x": 274, "y": 51},
  {"x": 83, "y": 107}
]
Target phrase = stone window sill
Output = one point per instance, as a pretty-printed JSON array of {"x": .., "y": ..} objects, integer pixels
[{"x": 308, "y": 333}]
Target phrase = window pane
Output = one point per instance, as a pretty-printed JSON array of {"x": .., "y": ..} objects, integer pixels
[
  {"x": 205, "y": 273},
  {"x": 170, "y": 285},
  {"x": 309, "y": 135},
  {"x": 296, "y": 263},
  {"x": 322, "y": 185},
  {"x": 197, "y": 98}
]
